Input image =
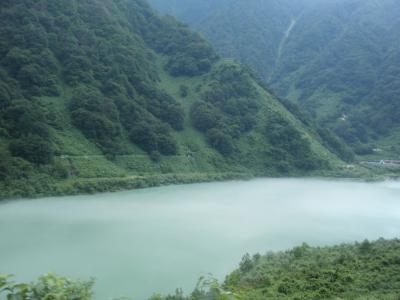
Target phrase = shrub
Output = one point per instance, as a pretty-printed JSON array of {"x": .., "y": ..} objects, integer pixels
[
  {"x": 204, "y": 116},
  {"x": 183, "y": 91},
  {"x": 32, "y": 148},
  {"x": 48, "y": 286},
  {"x": 153, "y": 138},
  {"x": 220, "y": 141}
]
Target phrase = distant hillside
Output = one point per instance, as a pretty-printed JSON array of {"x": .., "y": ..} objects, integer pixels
[
  {"x": 338, "y": 59},
  {"x": 103, "y": 95}
]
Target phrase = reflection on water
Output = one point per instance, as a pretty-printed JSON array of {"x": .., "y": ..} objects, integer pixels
[{"x": 155, "y": 240}]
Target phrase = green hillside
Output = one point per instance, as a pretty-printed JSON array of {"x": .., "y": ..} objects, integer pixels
[
  {"x": 362, "y": 271},
  {"x": 339, "y": 60},
  {"x": 105, "y": 95}
]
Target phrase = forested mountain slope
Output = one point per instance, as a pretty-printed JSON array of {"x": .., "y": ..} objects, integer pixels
[
  {"x": 101, "y": 95},
  {"x": 338, "y": 59}
]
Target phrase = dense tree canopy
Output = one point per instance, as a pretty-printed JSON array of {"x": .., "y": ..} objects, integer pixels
[
  {"x": 228, "y": 107},
  {"x": 104, "y": 68}
]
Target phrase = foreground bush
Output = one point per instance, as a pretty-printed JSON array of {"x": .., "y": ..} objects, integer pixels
[{"x": 48, "y": 287}]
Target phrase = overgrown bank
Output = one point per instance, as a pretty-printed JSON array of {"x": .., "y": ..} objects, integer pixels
[
  {"x": 361, "y": 271},
  {"x": 44, "y": 186},
  {"x": 48, "y": 186}
]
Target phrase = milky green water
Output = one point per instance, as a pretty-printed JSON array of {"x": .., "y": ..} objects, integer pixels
[{"x": 155, "y": 240}]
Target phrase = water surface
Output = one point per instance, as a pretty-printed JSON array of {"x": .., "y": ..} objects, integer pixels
[{"x": 154, "y": 240}]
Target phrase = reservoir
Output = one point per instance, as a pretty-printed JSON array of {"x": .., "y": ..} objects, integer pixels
[{"x": 139, "y": 242}]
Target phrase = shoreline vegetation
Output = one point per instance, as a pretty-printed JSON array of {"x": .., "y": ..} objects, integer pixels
[
  {"x": 47, "y": 187},
  {"x": 361, "y": 271},
  {"x": 87, "y": 186}
]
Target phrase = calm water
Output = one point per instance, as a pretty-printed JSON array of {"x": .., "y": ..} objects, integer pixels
[{"x": 139, "y": 242}]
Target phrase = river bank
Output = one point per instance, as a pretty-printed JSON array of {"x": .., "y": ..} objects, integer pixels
[{"x": 45, "y": 186}]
